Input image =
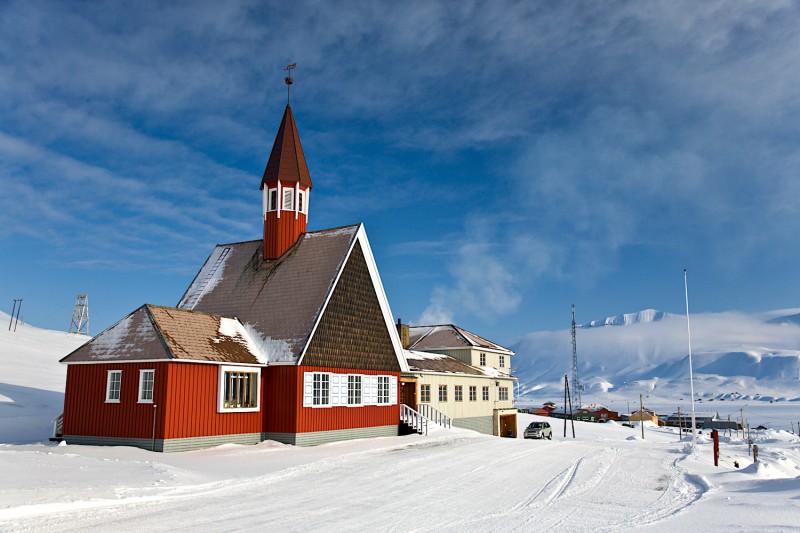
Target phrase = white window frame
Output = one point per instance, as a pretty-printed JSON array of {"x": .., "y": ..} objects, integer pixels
[
  {"x": 485, "y": 394},
  {"x": 301, "y": 204},
  {"x": 355, "y": 385},
  {"x": 458, "y": 393},
  {"x": 109, "y": 399},
  {"x": 272, "y": 202},
  {"x": 502, "y": 361},
  {"x": 384, "y": 390},
  {"x": 318, "y": 396},
  {"x": 287, "y": 202},
  {"x": 442, "y": 393},
  {"x": 142, "y": 373},
  {"x": 223, "y": 370},
  {"x": 378, "y": 390},
  {"x": 482, "y": 360},
  {"x": 473, "y": 393}
]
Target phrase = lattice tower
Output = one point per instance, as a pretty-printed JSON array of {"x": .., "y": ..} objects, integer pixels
[
  {"x": 576, "y": 384},
  {"x": 80, "y": 315}
]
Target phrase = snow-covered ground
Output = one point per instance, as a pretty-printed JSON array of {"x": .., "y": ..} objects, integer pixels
[{"x": 606, "y": 479}]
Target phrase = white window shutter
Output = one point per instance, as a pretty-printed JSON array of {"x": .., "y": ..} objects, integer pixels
[{"x": 392, "y": 390}]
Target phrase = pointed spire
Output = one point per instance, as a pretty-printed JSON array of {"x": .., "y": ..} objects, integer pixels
[{"x": 286, "y": 161}]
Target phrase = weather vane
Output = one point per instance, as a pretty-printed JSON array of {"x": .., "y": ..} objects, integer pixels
[{"x": 288, "y": 80}]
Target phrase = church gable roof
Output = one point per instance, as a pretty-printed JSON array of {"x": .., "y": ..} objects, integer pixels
[
  {"x": 282, "y": 298},
  {"x": 287, "y": 162},
  {"x": 161, "y": 333},
  {"x": 285, "y": 301},
  {"x": 449, "y": 336}
]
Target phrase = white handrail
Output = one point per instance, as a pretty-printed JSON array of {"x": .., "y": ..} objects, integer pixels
[
  {"x": 434, "y": 415},
  {"x": 58, "y": 424},
  {"x": 413, "y": 419}
]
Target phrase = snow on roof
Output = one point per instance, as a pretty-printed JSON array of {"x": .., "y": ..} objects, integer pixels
[
  {"x": 156, "y": 333},
  {"x": 280, "y": 299},
  {"x": 446, "y": 336},
  {"x": 209, "y": 276},
  {"x": 436, "y": 362}
]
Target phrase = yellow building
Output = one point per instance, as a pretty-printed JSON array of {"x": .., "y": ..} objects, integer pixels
[{"x": 461, "y": 375}]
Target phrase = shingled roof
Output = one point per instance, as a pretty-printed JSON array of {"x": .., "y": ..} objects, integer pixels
[
  {"x": 434, "y": 362},
  {"x": 287, "y": 162},
  {"x": 449, "y": 336},
  {"x": 158, "y": 333},
  {"x": 282, "y": 299}
]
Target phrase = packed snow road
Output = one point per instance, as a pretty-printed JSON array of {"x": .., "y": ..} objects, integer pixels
[{"x": 450, "y": 481}]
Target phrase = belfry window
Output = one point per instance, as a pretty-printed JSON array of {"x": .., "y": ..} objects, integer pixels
[
  {"x": 273, "y": 200},
  {"x": 288, "y": 200}
]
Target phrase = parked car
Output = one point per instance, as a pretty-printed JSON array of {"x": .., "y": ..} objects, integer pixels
[{"x": 538, "y": 430}]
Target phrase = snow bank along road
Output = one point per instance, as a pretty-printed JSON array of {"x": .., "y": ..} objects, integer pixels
[{"x": 451, "y": 480}]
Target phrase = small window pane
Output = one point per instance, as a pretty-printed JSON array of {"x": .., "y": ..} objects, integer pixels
[
  {"x": 146, "y": 382},
  {"x": 114, "y": 385}
]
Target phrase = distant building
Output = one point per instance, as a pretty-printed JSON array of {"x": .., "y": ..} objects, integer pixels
[
  {"x": 645, "y": 415},
  {"x": 461, "y": 375}
]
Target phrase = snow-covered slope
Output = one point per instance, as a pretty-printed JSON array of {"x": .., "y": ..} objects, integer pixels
[
  {"x": 31, "y": 379},
  {"x": 733, "y": 353}
]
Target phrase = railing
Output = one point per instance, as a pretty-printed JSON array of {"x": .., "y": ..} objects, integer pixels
[
  {"x": 58, "y": 425},
  {"x": 434, "y": 415},
  {"x": 413, "y": 419}
]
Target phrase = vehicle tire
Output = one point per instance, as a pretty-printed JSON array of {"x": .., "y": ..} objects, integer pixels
[{"x": 550, "y": 436}]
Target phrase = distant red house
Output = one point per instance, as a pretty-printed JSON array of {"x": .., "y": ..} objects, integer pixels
[
  {"x": 287, "y": 338},
  {"x": 603, "y": 413}
]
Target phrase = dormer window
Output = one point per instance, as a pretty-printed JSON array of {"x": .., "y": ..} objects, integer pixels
[{"x": 288, "y": 200}]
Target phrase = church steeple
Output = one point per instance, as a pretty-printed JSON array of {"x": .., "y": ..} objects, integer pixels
[{"x": 286, "y": 186}]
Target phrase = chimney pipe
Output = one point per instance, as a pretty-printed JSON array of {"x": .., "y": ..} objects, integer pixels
[{"x": 403, "y": 331}]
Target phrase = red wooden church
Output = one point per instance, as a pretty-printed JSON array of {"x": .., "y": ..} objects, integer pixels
[{"x": 288, "y": 338}]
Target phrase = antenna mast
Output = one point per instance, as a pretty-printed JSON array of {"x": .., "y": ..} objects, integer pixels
[{"x": 576, "y": 384}]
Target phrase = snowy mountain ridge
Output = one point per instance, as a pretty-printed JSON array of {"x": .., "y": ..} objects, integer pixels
[
  {"x": 626, "y": 319},
  {"x": 734, "y": 354}
]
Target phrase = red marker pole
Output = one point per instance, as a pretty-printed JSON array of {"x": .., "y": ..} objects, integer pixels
[{"x": 715, "y": 436}]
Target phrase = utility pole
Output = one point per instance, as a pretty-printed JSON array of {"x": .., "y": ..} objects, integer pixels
[
  {"x": 641, "y": 414},
  {"x": 680, "y": 424},
  {"x": 19, "y": 308},
  {"x": 741, "y": 412},
  {"x": 13, "y": 310},
  {"x": 576, "y": 384},
  {"x": 567, "y": 398}
]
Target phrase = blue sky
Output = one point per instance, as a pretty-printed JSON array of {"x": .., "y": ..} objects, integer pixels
[{"x": 507, "y": 159}]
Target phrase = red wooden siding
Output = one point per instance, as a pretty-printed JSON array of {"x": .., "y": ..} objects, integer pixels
[
  {"x": 284, "y": 411},
  {"x": 185, "y": 393},
  {"x": 87, "y": 413},
  {"x": 281, "y": 233},
  {"x": 191, "y": 404}
]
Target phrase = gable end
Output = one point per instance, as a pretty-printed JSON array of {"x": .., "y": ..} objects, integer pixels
[{"x": 352, "y": 332}]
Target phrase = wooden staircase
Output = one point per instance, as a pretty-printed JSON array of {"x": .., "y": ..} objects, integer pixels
[{"x": 412, "y": 420}]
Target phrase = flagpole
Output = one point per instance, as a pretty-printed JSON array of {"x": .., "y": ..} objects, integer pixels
[{"x": 691, "y": 376}]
